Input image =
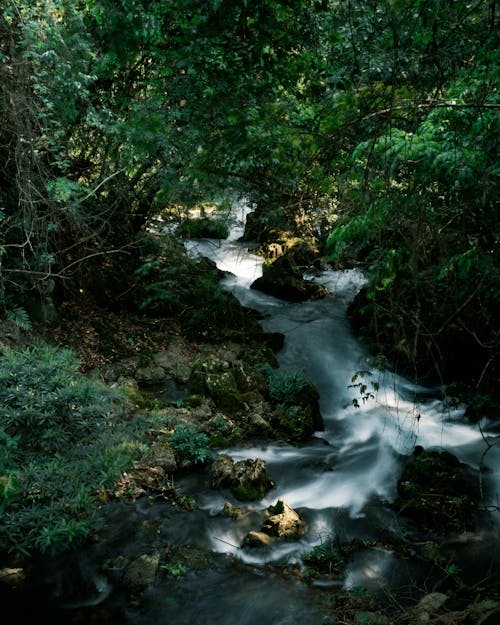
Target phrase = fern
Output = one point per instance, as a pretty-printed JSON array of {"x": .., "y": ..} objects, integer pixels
[{"x": 20, "y": 317}]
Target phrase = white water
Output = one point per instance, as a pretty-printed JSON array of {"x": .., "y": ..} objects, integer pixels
[{"x": 340, "y": 481}]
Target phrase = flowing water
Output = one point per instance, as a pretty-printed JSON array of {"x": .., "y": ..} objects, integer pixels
[{"x": 340, "y": 482}]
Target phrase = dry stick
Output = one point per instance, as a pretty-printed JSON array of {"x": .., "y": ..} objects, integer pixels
[
  {"x": 226, "y": 542},
  {"x": 60, "y": 274}
]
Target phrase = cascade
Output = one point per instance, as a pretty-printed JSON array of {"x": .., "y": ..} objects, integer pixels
[{"x": 342, "y": 480}]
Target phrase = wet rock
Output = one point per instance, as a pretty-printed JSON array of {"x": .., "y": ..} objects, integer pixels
[
  {"x": 257, "y": 539},
  {"x": 247, "y": 479},
  {"x": 437, "y": 492},
  {"x": 141, "y": 572},
  {"x": 283, "y": 521},
  {"x": 297, "y": 413},
  {"x": 232, "y": 511},
  {"x": 283, "y": 277}
]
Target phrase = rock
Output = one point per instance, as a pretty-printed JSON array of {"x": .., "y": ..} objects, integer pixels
[
  {"x": 150, "y": 375},
  {"x": 257, "y": 539},
  {"x": 437, "y": 492},
  {"x": 128, "y": 383},
  {"x": 284, "y": 522},
  {"x": 113, "y": 371},
  {"x": 232, "y": 511},
  {"x": 12, "y": 576},
  {"x": 284, "y": 277},
  {"x": 247, "y": 479},
  {"x": 259, "y": 425},
  {"x": 214, "y": 377},
  {"x": 176, "y": 361},
  {"x": 289, "y": 287},
  {"x": 11, "y": 336},
  {"x": 161, "y": 454},
  {"x": 141, "y": 572}
]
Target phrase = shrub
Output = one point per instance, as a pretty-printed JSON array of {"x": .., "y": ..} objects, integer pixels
[
  {"x": 284, "y": 388},
  {"x": 190, "y": 444},
  {"x": 45, "y": 401},
  {"x": 60, "y": 445}
]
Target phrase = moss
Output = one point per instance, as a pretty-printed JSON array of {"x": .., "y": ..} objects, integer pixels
[
  {"x": 249, "y": 492},
  {"x": 436, "y": 492}
]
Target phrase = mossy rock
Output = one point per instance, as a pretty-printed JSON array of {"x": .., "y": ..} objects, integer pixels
[
  {"x": 247, "y": 479},
  {"x": 437, "y": 492},
  {"x": 203, "y": 228},
  {"x": 213, "y": 377},
  {"x": 292, "y": 423}
]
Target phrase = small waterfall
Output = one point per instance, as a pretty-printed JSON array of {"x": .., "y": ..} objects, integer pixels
[{"x": 342, "y": 480}]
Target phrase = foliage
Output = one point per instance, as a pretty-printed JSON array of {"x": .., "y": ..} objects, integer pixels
[
  {"x": 60, "y": 444},
  {"x": 420, "y": 209},
  {"x": 368, "y": 125},
  {"x": 203, "y": 227},
  {"x": 190, "y": 444},
  {"x": 284, "y": 387},
  {"x": 19, "y": 316},
  {"x": 174, "y": 284},
  {"x": 45, "y": 403}
]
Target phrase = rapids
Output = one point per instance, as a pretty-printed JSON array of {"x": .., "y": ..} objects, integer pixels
[{"x": 341, "y": 481}]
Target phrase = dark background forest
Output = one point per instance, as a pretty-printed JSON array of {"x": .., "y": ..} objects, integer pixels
[{"x": 370, "y": 127}]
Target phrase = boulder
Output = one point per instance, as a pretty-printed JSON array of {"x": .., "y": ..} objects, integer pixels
[
  {"x": 437, "y": 492},
  {"x": 213, "y": 376},
  {"x": 247, "y": 479},
  {"x": 141, "y": 572},
  {"x": 283, "y": 521},
  {"x": 283, "y": 277},
  {"x": 149, "y": 375},
  {"x": 257, "y": 539}
]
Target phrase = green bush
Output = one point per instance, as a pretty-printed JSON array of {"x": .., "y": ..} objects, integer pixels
[
  {"x": 60, "y": 446},
  {"x": 45, "y": 402},
  {"x": 190, "y": 444},
  {"x": 203, "y": 228},
  {"x": 284, "y": 387}
]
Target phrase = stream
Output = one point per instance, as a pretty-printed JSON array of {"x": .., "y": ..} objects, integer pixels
[{"x": 340, "y": 482}]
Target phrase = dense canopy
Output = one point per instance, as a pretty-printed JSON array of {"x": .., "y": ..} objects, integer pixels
[{"x": 370, "y": 126}]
